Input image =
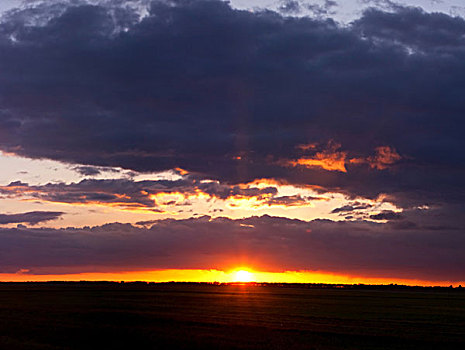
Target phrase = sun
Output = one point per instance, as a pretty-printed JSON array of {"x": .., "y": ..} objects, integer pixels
[{"x": 243, "y": 276}]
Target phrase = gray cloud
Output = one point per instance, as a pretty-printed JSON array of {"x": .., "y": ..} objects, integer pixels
[
  {"x": 386, "y": 215},
  {"x": 290, "y": 201},
  {"x": 327, "y": 8},
  {"x": 290, "y": 6},
  {"x": 33, "y": 217},
  {"x": 350, "y": 208},
  {"x": 87, "y": 170}
]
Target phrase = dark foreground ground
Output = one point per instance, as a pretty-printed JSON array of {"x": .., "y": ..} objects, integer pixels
[{"x": 188, "y": 316}]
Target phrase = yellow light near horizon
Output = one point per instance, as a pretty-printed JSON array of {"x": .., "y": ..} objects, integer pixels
[
  {"x": 220, "y": 276},
  {"x": 243, "y": 276}
]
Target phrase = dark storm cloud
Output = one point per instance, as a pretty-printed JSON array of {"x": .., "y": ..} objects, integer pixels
[
  {"x": 232, "y": 94},
  {"x": 266, "y": 243},
  {"x": 33, "y": 217},
  {"x": 410, "y": 27}
]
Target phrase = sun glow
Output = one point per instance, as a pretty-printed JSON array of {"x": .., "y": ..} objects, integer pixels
[
  {"x": 219, "y": 276},
  {"x": 243, "y": 276}
]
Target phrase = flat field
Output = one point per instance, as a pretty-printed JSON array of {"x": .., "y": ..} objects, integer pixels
[{"x": 201, "y": 316}]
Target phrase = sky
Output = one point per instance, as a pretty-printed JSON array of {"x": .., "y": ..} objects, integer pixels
[{"x": 191, "y": 139}]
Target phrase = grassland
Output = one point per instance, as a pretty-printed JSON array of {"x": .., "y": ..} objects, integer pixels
[{"x": 200, "y": 316}]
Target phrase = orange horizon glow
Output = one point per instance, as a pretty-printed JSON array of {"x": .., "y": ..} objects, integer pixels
[{"x": 242, "y": 274}]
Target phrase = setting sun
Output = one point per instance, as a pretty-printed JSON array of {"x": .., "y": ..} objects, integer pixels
[{"x": 243, "y": 276}]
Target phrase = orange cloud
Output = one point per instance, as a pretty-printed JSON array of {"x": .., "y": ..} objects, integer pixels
[
  {"x": 330, "y": 159},
  {"x": 307, "y": 146},
  {"x": 385, "y": 156},
  {"x": 333, "y": 163},
  {"x": 181, "y": 171}
]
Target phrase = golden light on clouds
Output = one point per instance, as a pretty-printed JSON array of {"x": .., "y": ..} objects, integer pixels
[
  {"x": 289, "y": 201},
  {"x": 384, "y": 158},
  {"x": 330, "y": 159},
  {"x": 331, "y": 162}
]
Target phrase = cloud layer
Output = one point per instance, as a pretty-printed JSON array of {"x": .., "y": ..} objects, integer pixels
[
  {"x": 266, "y": 243},
  {"x": 129, "y": 193},
  {"x": 232, "y": 94}
]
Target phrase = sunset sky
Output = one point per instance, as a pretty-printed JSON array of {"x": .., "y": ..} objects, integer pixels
[{"x": 293, "y": 141}]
